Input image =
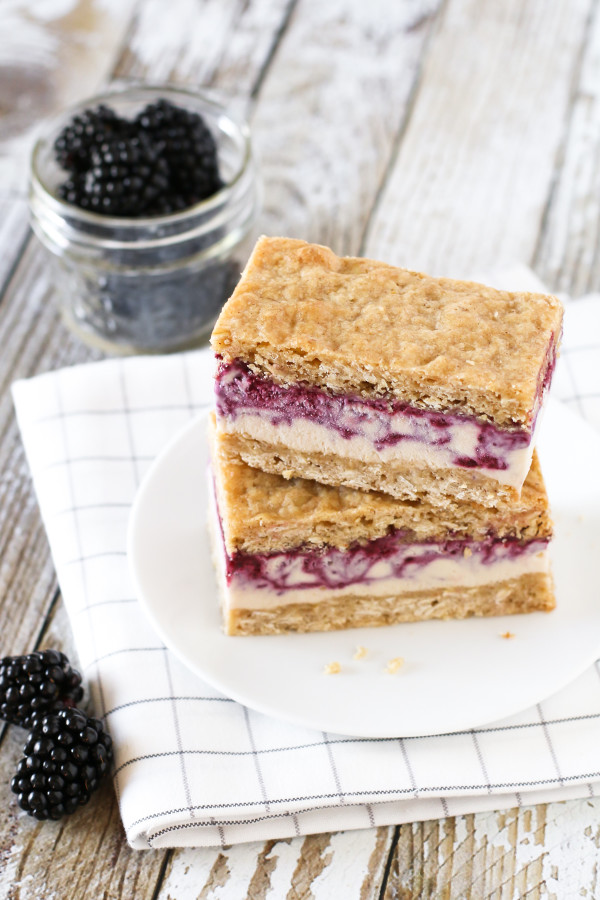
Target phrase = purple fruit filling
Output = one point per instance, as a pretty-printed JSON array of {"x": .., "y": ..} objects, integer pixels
[
  {"x": 384, "y": 421},
  {"x": 329, "y": 567}
]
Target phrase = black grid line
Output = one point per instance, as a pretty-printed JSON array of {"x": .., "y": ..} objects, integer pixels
[
  {"x": 445, "y": 808},
  {"x": 334, "y": 771},
  {"x": 180, "y": 751},
  {"x": 74, "y": 460},
  {"x": 184, "y": 826},
  {"x": 548, "y": 737},
  {"x": 286, "y": 748},
  {"x": 101, "y": 555},
  {"x": 220, "y": 831},
  {"x": 76, "y": 413},
  {"x": 183, "y": 698},
  {"x": 87, "y": 507},
  {"x": 117, "y": 601},
  {"x": 411, "y": 776},
  {"x": 259, "y": 772},
  {"x": 84, "y": 582},
  {"x": 126, "y": 414},
  {"x": 120, "y": 652},
  {"x": 481, "y": 759}
]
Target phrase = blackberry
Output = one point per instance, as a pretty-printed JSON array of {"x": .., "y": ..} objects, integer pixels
[
  {"x": 188, "y": 147},
  {"x": 126, "y": 177},
  {"x": 36, "y": 684},
  {"x": 74, "y": 145},
  {"x": 162, "y": 162},
  {"x": 66, "y": 755}
]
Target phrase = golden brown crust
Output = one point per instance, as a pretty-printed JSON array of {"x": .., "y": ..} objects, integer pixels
[
  {"x": 264, "y": 512},
  {"x": 301, "y": 313},
  {"x": 529, "y": 593}
]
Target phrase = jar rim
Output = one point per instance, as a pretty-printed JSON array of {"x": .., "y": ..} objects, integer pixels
[{"x": 216, "y": 200}]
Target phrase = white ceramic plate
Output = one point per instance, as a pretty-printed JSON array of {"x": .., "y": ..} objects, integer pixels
[{"x": 457, "y": 674}]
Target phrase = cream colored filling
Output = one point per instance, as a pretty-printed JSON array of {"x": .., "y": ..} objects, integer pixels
[{"x": 310, "y": 437}]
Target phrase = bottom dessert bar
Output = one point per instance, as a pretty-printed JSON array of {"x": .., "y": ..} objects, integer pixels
[{"x": 301, "y": 556}]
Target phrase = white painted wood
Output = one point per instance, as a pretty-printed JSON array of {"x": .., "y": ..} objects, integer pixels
[
  {"x": 568, "y": 256},
  {"x": 474, "y": 169},
  {"x": 470, "y": 181},
  {"x": 329, "y": 110},
  {"x": 346, "y": 864},
  {"x": 220, "y": 44}
]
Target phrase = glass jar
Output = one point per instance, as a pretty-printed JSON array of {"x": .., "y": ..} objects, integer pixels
[{"x": 149, "y": 285}]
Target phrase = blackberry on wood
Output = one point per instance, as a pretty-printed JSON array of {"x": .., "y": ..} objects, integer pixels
[
  {"x": 36, "y": 684},
  {"x": 66, "y": 756}
]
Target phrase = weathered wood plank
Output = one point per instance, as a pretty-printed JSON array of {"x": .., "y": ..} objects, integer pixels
[
  {"x": 528, "y": 852},
  {"x": 472, "y": 175},
  {"x": 224, "y": 46},
  {"x": 27, "y": 579},
  {"x": 329, "y": 111},
  {"x": 567, "y": 257},
  {"x": 351, "y": 864}
]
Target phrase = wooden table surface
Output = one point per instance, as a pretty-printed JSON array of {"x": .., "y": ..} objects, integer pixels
[{"x": 452, "y": 136}]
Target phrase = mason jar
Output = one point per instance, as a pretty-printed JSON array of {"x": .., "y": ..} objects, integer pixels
[{"x": 148, "y": 285}]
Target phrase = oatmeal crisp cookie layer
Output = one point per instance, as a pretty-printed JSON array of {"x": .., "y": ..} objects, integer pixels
[
  {"x": 263, "y": 512},
  {"x": 529, "y": 593},
  {"x": 357, "y": 326}
]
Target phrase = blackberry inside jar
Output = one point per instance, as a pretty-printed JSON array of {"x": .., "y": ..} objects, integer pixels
[{"x": 145, "y": 199}]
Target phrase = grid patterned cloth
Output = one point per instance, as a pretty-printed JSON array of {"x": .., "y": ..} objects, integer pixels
[{"x": 194, "y": 768}]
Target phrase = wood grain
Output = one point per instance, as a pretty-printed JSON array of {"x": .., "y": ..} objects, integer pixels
[
  {"x": 452, "y": 124},
  {"x": 500, "y": 855},
  {"x": 567, "y": 256},
  {"x": 225, "y": 46},
  {"x": 295, "y": 869},
  {"x": 330, "y": 108},
  {"x": 474, "y": 169}
]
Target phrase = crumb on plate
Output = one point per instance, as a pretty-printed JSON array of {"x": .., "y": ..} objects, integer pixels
[
  {"x": 360, "y": 652},
  {"x": 332, "y": 668},
  {"x": 394, "y": 665},
  {"x": 507, "y": 635}
]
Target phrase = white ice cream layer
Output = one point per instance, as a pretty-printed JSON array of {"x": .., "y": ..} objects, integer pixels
[{"x": 309, "y": 437}]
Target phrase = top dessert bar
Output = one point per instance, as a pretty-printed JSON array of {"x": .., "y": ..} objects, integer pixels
[{"x": 356, "y": 326}]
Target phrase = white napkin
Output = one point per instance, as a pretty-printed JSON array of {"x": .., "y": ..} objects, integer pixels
[{"x": 194, "y": 768}]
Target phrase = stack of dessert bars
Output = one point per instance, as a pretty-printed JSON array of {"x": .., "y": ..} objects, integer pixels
[{"x": 373, "y": 445}]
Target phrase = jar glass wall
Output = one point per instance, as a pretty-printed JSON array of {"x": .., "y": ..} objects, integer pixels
[{"x": 148, "y": 285}]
